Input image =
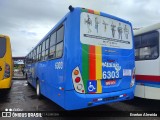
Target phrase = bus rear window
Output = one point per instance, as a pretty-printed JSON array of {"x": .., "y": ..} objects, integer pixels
[
  {"x": 2, "y": 47},
  {"x": 103, "y": 31}
]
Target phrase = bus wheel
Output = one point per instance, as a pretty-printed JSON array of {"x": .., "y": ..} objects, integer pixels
[
  {"x": 38, "y": 89},
  {"x": 26, "y": 77}
]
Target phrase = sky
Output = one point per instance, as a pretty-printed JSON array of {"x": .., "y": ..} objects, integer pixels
[{"x": 28, "y": 21}]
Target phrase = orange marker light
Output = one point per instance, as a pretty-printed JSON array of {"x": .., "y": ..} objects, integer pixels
[{"x": 76, "y": 72}]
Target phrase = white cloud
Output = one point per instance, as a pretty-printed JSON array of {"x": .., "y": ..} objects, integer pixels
[{"x": 27, "y": 21}]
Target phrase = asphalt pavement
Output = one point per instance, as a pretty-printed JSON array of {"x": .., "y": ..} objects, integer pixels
[{"x": 22, "y": 97}]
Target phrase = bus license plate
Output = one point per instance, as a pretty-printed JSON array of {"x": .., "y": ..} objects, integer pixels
[{"x": 110, "y": 82}]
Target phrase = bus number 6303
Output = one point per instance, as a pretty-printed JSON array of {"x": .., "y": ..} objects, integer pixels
[{"x": 110, "y": 74}]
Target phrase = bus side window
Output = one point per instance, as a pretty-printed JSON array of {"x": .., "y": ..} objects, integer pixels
[
  {"x": 145, "y": 53},
  {"x": 147, "y": 46},
  {"x": 59, "y": 46},
  {"x": 52, "y": 46},
  {"x": 26, "y": 62},
  {"x": 27, "y": 59},
  {"x": 47, "y": 47},
  {"x": 137, "y": 46},
  {"x": 59, "y": 49},
  {"x": 40, "y": 49},
  {"x": 154, "y": 52},
  {"x": 32, "y": 57},
  {"x": 37, "y": 53},
  {"x": 136, "y": 54},
  {"x": 52, "y": 52},
  {"x": 60, "y": 34},
  {"x": 43, "y": 50}
]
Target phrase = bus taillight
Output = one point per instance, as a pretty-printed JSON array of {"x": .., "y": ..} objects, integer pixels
[
  {"x": 79, "y": 87},
  {"x": 133, "y": 78},
  {"x": 7, "y": 71},
  {"x": 77, "y": 80}
]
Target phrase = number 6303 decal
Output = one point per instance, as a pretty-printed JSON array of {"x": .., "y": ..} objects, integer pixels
[{"x": 110, "y": 74}]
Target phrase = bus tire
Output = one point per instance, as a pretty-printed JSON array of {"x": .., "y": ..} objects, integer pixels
[
  {"x": 38, "y": 93},
  {"x": 27, "y": 80},
  {"x": 26, "y": 77}
]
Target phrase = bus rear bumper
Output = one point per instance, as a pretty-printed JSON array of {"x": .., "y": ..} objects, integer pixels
[
  {"x": 5, "y": 83},
  {"x": 74, "y": 100}
]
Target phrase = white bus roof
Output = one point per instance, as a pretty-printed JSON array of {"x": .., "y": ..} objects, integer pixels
[{"x": 147, "y": 29}]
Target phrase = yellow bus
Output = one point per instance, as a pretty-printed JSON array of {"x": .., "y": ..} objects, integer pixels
[{"x": 6, "y": 63}]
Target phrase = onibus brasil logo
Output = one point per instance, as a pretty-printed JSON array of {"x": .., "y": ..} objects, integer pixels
[{"x": 17, "y": 112}]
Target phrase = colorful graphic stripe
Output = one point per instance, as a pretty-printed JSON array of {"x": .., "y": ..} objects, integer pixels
[
  {"x": 92, "y": 65},
  {"x": 85, "y": 65},
  {"x": 99, "y": 68},
  {"x": 92, "y": 61},
  {"x": 98, "y": 62}
]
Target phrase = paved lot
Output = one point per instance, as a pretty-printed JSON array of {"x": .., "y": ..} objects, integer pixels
[{"x": 22, "y": 96}]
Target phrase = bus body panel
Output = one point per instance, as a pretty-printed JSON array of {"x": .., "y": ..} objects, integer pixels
[
  {"x": 5, "y": 61},
  {"x": 150, "y": 90},
  {"x": 87, "y": 100},
  {"x": 148, "y": 70},
  {"x": 2, "y": 67},
  {"x": 5, "y": 83},
  {"x": 76, "y": 53},
  {"x": 50, "y": 79},
  {"x": 140, "y": 91},
  {"x": 57, "y": 83},
  {"x": 150, "y": 67},
  {"x": 50, "y": 74},
  {"x": 72, "y": 47}
]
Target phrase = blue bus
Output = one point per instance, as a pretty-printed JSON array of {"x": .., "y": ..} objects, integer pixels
[{"x": 87, "y": 59}]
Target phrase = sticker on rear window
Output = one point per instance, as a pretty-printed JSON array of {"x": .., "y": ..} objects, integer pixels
[{"x": 106, "y": 32}]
